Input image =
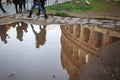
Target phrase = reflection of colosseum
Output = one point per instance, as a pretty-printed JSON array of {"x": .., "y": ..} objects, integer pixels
[{"x": 80, "y": 44}]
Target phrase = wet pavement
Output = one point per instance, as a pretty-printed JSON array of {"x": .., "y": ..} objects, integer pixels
[
  {"x": 87, "y": 18},
  {"x": 66, "y": 20},
  {"x": 58, "y": 48},
  {"x": 9, "y": 8},
  {"x": 58, "y": 20},
  {"x": 54, "y": 51}
]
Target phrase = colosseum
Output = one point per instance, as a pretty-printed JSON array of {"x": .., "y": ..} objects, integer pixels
[{"x": 80, "y": 43}]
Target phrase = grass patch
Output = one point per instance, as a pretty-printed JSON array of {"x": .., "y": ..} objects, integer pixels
[
  {"x": 69, "y": 6},
  {"x": 63, "y": 14},
  {"x": 102, "y": 18},
  {"x": 79, "y": 7},
  {"x": 118, "y": 2}
]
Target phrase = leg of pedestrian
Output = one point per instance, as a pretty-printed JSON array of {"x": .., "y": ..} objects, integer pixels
[
  {"x": 16, "y": 8},
  {"x": 44, "y": 12},
  {"x": 31, "y": 11},
  {"x": 2, "y": 8}
]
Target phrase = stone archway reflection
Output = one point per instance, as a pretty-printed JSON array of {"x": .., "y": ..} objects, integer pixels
[{"x": 81, "y": 43}]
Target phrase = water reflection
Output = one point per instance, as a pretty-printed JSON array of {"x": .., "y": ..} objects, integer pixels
[
  {"x": 21, "y": 30},
  {"x": 21, "y": 60},
  {"x": 80, "y": 44},
  {"x": 40, "y": 36},
  {"x": 21, "y": 27},
  {"x": 3, "y": 33},
  {"x": 67, "y": 50}
]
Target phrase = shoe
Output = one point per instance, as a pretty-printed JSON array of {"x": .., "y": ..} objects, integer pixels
[
  {"x": 29, "y": 17},
  {"x": 30, "y": 14},
  {"x": 46, "y": 16},
  {"x": 38, "y": 14}
]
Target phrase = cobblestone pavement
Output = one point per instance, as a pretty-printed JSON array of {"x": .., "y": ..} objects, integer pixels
[
  {"x": 78, "y": 19},
  {"x": 58, "y": 20},
  {"x": 9, "y": 8}
]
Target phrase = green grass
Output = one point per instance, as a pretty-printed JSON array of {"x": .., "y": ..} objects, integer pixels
[
  {"x": 72, "y": 6},
  {"x": 80, "y": 7},
  {"x": 118, "y": 2},
  {"x": 63, "y": 14},
  {"x": 68, "y": 6}
]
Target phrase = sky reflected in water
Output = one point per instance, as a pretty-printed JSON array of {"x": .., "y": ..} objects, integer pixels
[{"x": 20, "y": 59}]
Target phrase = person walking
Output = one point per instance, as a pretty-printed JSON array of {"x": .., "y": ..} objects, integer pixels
[
  {"x": 16, "y": 3},
  {"x": 1, "y": 7},
  {"x": 39, "y": 4},
  {"x": 42, "y": 5},
  {"x": 24, "y": 4},
  {"x": 9, "y": 2}
]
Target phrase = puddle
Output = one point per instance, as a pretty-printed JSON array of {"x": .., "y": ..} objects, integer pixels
[
  {"x": 50, "y": 52},
  {"x": 31, "y": 52}
]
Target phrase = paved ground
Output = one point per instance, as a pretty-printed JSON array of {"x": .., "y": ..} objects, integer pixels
[
  {"x": 58, "y": 20},
  {"x": 77, "y": 18},
  {"x": 9, "y": 8}
]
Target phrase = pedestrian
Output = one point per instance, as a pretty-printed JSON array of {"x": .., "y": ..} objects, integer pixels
[
  {"x": 39, "y": 4},
  {"x": 43, "y": 6},
  {"x": 9, "y": 2},
  {"x": 20, "y": 5},
  {"x": 24, "y": 5},
  {"x": 1, "y": 7},
  {"x": 16, "y": 3}
]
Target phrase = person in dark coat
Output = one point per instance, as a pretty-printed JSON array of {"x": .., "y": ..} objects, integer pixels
[
  {"x": 39, "y": 4},
  {"x": 24, "y": 5},
  {"x": 1, "y": 7},
  {"x": 16, "y": 3},
  {"x": 20, "y": 5}
]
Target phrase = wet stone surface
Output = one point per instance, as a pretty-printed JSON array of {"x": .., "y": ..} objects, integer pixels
[{"x": 64, "y": 20}]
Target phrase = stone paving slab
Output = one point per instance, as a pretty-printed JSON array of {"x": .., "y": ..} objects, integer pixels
[
  {"x": 68, "y": 20},
  {"x": 11, "y": 16},
  {"x": 63, "y": 20}
]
